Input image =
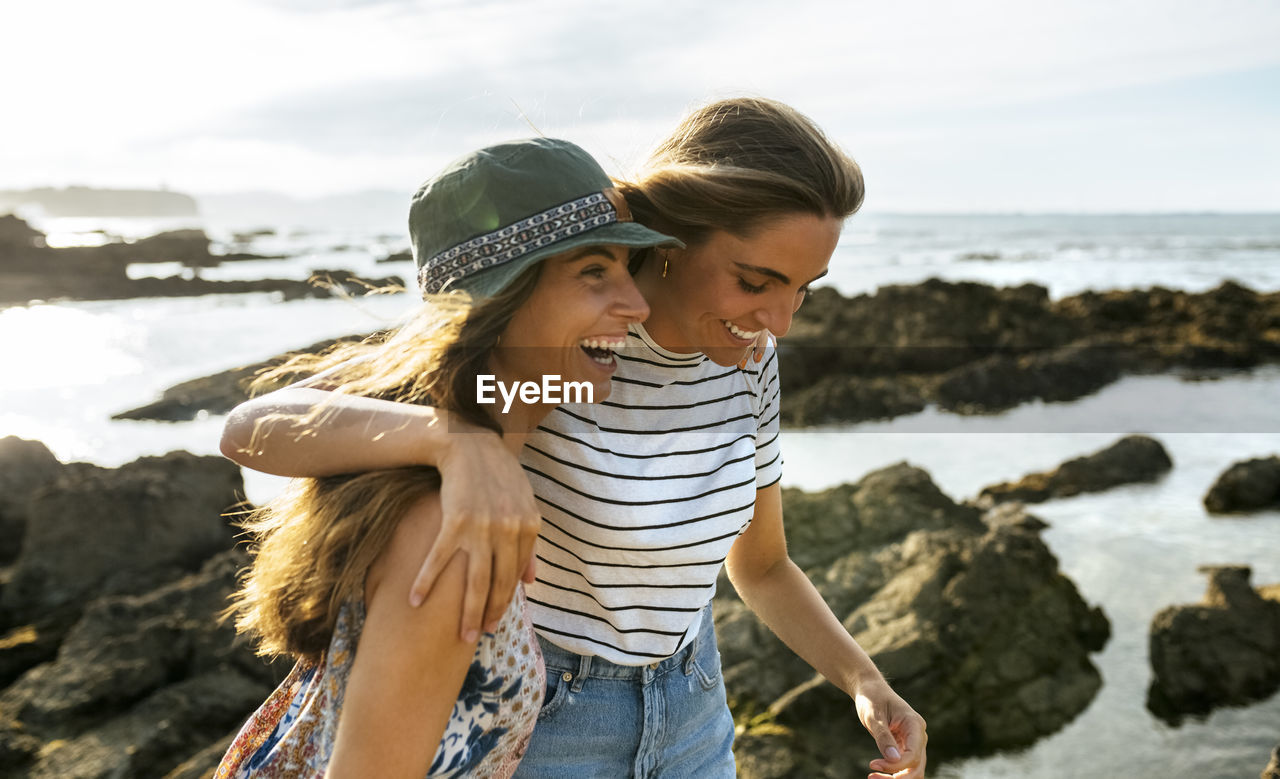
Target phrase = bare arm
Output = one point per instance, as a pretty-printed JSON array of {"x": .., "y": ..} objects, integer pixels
[
  {"x": 355, "y": 434},
  {"x": 407, "y": 672},
  {"x": 489, "y": 511},
  {"x": 777, "y": 590}
]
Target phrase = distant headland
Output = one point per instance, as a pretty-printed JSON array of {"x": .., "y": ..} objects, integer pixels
[{"x": 90, "y": 201}]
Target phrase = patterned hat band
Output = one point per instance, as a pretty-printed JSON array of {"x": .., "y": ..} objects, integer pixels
[{"x": 513, "y": 241}]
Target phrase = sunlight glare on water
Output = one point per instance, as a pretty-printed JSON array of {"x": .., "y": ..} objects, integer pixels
[{"x": 108, "y": 345}]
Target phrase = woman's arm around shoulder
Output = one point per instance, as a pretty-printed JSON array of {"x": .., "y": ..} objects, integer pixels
[
  {"x": 489, "y": 511},
  {"x": 409, "y": 665},
  {"x": 777, "y": 590}
]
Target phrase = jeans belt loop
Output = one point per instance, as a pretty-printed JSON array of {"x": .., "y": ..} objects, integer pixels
[
  {"x": 584, "y": 668},
  {"x": 693, "y": 651}
]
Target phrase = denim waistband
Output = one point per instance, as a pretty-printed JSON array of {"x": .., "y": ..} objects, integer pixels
[{"x": 582, "y": 667}]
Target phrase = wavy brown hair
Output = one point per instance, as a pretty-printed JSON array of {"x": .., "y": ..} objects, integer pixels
[
  {"x": 737, "y": 163},
  {"x": 312, "y": 546}
]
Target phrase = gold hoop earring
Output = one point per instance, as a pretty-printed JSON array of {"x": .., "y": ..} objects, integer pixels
[{"x": 666, "y": 263}]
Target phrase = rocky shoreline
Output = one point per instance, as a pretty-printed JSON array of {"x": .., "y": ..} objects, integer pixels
[
  {"x": 113, "y": 661},
  {"x": 964, "y": 347},
  {"x": 973, "y": 348},
  {"x": 32, "y": 271}
]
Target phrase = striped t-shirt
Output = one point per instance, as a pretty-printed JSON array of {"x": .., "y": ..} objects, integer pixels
[{"x": 643, "y": 494}]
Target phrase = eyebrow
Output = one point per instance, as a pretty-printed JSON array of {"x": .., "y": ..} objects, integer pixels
[{"x": 773, "y": 274}]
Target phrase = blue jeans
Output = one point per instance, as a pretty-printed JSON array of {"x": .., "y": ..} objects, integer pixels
[{"x": 667, "y": 719}]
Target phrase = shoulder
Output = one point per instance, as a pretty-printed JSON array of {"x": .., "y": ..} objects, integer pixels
[{"x": 409, "y": 545}]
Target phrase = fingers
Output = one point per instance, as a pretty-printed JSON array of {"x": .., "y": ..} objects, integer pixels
[
  {"x": 475, "y": 598},
  {"x": 908, "y": 733},
  {"x": 430, "y": 571},
  {"x": 885, "y": 742},
  {"x": 503, "y": 586},
  {"x": 531, "y": 570}
]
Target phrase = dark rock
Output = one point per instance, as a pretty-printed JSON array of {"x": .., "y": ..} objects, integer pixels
[
  {"x": 1250, "y": 485},
  {"x": 30, "y": 271},
  {"x": 972, "y": 348},
  {"x": 17, "y": 746},
  {"x": 15, "y": 233},
  {"x": 1130, "y": 460},
  {"x": 189, "y": 247},
  {"x": 125, "y": 648},
  {"x": 158, "y": 734},
  {"x": 1003, "y": 381},
  {"x": 24, "y": 467},
  {"x": 1224, "y": 650},
  {"x": 142, "y": 685},
  {"x": 25, "y": 647},
  {"x": 925, "y": 328},
  {"x": 202, "y": 764},
  {"x": 850, "y": 399},
  {"x": 98, "y": 531},
  {"x": 971, "y": 620},
  {"x": 402, "y": 256}
]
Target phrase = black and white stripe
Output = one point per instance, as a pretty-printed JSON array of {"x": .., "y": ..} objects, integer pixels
[{"x": 643, "y": 495}]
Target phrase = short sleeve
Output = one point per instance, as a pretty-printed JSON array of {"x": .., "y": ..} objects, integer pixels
[{"x": 768, "y": 392}]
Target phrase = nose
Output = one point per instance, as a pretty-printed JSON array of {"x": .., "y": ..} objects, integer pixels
[
  {"x": 628, "y": 304},
  {"x": 776, "y": 316}
]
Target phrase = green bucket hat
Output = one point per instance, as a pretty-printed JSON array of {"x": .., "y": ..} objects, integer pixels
[{"x": 495, "y": 212}]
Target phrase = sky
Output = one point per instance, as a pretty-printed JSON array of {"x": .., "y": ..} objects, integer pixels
[{"x": 966, "y": 106}]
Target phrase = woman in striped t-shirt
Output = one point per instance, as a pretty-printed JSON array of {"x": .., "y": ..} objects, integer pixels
[{"x": 637, "y": 502}]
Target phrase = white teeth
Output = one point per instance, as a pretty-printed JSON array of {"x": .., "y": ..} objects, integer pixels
[
  {"x": 607, "y": 345},
  {"x": 739, "y": 332},
  {"x": 612, "y": 344}
]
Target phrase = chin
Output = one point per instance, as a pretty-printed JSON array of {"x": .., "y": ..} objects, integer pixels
[{"x": 726, "y": 357}]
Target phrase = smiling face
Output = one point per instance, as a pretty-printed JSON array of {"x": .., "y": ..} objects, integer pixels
[
  {"x": 575, "y": 317},
  {"x": 717, "y": 296}
]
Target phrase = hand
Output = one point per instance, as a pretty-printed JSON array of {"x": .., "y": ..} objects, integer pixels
[
  {"x": 757, "y": 352},
  {"x": 898, "y": 730},
  {"x": 488, "y": 515}
]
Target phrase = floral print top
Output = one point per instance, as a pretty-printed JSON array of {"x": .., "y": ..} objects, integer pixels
[{"x": 293, "y": 733}]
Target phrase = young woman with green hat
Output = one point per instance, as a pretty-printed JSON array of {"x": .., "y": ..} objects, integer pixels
[
  {"x": 638, "y": 502},
  {"x": 532, "y": 234}
]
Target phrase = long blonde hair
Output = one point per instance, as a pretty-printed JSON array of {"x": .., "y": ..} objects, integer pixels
[
  {"x": 736, "y": 163},
  {"x": 312, "y": 546}
]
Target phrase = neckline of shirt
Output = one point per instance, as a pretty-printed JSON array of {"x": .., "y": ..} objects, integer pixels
[{"x": 667, "y": 354}]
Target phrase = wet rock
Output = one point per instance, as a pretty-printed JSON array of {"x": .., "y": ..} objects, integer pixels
[
  {"x": 1250, "y": 485},
  {"x": 1224, "y": 650},
  {"x": 1132, "y": 459},
  {"x": 96, "y": 531},
  {"x": 972, "y": 621}
]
